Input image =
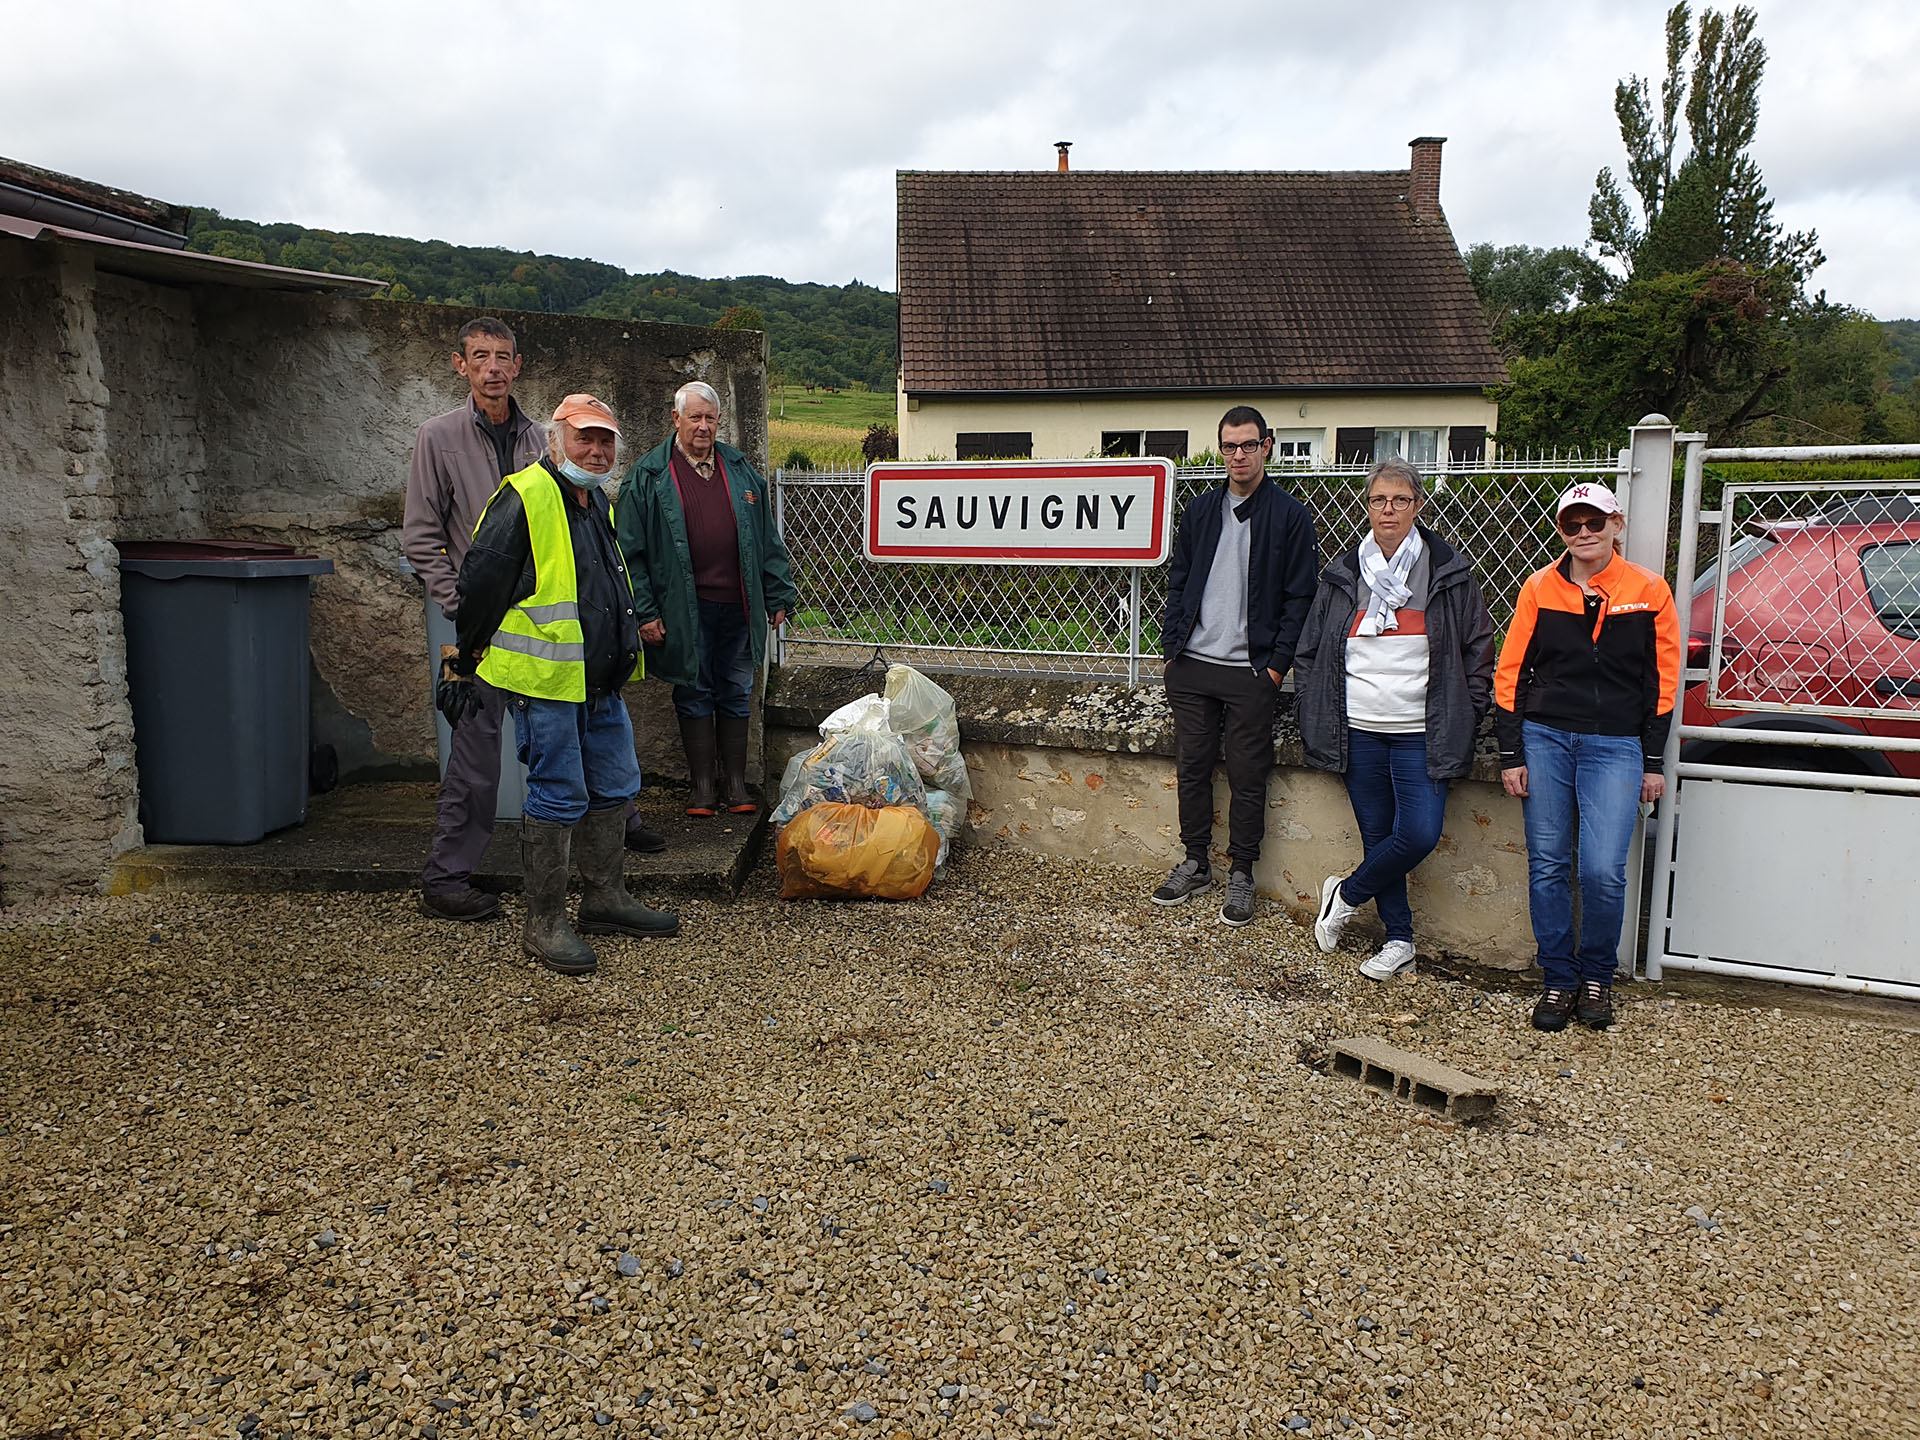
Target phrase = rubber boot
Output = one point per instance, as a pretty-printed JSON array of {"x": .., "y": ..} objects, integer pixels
[
  {"x": 547, "y": 936},
  {"x": 696, "y": 735},
  {"x": 605, "y": 906},
  {"x": 731, "y": 731}
]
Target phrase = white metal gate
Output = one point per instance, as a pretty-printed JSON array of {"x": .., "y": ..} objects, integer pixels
[{"x": 1788, "y": 845}]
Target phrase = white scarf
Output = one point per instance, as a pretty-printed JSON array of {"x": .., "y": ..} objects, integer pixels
[{"x": 1387, "y": 580}]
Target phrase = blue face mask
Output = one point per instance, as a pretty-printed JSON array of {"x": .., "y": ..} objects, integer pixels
[{"x": 585, "y": 479}]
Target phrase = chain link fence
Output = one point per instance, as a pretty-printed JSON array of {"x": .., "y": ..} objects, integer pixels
[
  {"x": 1813, "y": 599},
  {"x": 1080, "y": 620}
]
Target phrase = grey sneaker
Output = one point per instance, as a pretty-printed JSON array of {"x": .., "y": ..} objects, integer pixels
[
  {"x": 1239, "y": 907},
  {"x": 1188, "y": 879}
]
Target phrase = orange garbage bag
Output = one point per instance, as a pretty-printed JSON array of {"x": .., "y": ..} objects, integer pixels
[{"x": 833, "y": 851}]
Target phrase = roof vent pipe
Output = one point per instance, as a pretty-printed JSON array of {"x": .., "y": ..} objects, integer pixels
[{"x": 1063, "y": 146}]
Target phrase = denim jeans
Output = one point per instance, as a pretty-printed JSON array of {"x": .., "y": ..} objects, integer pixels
[
  {"x": 579, "y": 756},
  {"x": 726, "y": 664},
  {"x": 1399, "y": 810},
  {"x": 1585, "y": 787}
]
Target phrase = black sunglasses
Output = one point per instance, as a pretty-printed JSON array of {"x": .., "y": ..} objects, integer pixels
[{"x": 1597, "y": 525}]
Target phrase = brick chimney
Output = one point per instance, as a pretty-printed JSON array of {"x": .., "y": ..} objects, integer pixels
[
  {"x": 1063, "y": 146},
  {"x": 1423, "y": 177}
]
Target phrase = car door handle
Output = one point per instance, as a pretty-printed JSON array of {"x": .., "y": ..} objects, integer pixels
[{"x": 1903, "y": 687}]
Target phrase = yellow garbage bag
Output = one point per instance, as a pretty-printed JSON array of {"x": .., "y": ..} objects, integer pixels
[{"x": 834, "y": 851}]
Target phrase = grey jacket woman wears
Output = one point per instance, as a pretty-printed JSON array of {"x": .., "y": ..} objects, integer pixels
[{"x": 1460, "y": 652}]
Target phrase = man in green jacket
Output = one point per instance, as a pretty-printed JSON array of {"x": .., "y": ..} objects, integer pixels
[{"x": 709, "y": 574}]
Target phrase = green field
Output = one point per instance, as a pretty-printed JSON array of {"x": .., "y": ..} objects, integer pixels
[{"x": 828, "y": 427}]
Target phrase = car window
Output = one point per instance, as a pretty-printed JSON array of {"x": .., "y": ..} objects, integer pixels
[
  {"x": 1744, "y": 551},
  {"x": 1892, "y": 573}
]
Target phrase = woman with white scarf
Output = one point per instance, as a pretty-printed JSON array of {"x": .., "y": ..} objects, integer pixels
[{"x": 1393, "y": 676}]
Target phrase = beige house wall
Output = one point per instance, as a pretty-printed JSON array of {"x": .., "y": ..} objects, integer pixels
[{"x": 1070, "y": 427}]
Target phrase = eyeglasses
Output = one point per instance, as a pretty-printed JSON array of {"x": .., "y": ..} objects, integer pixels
[
  {"x": 1241, "y": 447},
  {"x": 1596, "y": 526},
  {"x": 1395, "y": 503}
]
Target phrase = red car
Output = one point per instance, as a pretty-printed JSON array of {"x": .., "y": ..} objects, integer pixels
[{"x": 1823, "y": 611}]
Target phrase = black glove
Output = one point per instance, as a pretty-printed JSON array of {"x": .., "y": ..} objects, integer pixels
[{"x": 457, "y": 698}]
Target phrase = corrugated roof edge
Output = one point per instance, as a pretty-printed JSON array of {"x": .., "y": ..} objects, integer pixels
[{"x": 155, "y": 262}]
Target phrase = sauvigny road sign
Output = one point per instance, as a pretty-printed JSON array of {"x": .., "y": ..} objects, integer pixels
[{"x": 1020, "y": 512}]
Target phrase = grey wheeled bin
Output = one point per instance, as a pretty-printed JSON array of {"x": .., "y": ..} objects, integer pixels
[{"x": 217, "y": 674}]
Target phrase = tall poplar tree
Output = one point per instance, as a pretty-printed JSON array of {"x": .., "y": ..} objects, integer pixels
[{"x": 1710, "y": 203}]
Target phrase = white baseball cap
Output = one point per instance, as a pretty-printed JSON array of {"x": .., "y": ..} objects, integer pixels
[{"x": 1591, "y": 493}]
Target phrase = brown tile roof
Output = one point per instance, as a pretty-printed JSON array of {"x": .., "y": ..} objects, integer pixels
[{"x": 1123, "y": 280}]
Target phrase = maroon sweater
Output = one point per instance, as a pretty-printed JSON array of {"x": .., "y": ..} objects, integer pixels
[{"x": 713, "y": 543}]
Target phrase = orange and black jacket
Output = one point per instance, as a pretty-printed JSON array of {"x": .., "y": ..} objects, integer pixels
[{"x": 1609, "y": 668}]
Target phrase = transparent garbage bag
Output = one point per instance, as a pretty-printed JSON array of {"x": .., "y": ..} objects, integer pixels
[
  {"x": 835, "y": 851},
  {"x": 948, "y": 812},
  {"x": 923, "y": 715},
  {"x": 855, "y": 767}
]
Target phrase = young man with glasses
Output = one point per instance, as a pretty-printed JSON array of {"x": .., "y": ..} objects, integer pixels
[{"x": 1245, "y": 563}]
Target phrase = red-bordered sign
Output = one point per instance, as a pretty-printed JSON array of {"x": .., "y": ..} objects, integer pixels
[{"x": 1020, "y": 512}]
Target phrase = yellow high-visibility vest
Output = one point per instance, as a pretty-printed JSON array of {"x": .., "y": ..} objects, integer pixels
[{"x": 539, "y": 649}]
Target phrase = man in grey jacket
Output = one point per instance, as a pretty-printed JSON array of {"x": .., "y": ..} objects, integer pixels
[{"x": 459, "y": 460}]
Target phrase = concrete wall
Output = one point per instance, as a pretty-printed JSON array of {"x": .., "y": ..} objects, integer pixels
[
  {"x": 1085, "y": 770},
  {"x": 135, "y": 410},
  {"x": 1070, "y": 426}
]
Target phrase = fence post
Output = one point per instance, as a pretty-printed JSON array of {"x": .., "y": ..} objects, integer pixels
[
  {"x": 779, "y": 647},
  {"x": 1648, "y": 465},
  {"x": 1133, "y": 628}
]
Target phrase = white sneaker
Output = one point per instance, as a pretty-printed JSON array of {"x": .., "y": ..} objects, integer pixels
[
  {"x": 1388, "y": 961},
  {"x": 1334, "y": 914}
]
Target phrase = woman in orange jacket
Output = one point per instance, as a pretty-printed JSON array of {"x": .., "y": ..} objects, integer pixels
[{"x": 1583, "y": 698}]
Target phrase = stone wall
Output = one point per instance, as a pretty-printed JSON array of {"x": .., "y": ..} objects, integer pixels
[
  {"x": 68, "y": 787},
  {"x": 1084, "y": 769},
  {"x": 135, "y": 410}
]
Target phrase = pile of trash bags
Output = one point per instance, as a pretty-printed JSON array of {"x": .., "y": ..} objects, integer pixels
[{"x": 872, "y": 810}]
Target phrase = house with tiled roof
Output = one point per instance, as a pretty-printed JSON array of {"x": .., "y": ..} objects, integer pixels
[{"x": 1060, "y": 313}]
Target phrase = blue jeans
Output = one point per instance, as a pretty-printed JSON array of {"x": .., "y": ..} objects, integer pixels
[
  {"x": 1584, "y": 786},
  {"x": 1399, "y": 810},
  {"x": 579, "y": 756},
  {"x": 726, "y": 664}
]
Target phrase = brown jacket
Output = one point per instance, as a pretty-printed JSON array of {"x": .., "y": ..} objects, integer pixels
[{"x": 454, "y": 473}]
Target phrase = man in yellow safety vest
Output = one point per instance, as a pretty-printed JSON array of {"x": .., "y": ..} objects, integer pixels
[{"x": 546, "y": 615}]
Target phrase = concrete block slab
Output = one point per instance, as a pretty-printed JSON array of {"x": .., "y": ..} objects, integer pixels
[{"x": 1427, "y": 1083}]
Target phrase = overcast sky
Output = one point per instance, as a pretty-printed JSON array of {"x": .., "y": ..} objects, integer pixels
[{"x": 752, "y": 138}]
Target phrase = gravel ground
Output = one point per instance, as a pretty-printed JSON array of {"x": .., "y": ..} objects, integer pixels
[{"x": 1030, "y": 1156}]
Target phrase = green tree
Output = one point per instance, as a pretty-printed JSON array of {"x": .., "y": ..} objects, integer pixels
[
  {"x": 1710, "y": 204},
  {"x": 1705, "y": 347},
  {"x": 741, "y": 317},
  {"x": 1521, "y": 280}
]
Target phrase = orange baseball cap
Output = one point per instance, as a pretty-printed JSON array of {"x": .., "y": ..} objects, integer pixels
[{"x": 583, "y": 412}]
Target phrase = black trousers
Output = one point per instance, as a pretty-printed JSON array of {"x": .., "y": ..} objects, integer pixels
[{"x": 1216, "y": 706}]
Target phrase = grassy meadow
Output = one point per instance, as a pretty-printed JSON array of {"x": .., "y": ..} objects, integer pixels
[{"x": 828, "y": 427}]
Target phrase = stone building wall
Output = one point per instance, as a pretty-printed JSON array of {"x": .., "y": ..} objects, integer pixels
[
  {"x": 137, "y": 410},
  {"x": 68, "y": 788}
]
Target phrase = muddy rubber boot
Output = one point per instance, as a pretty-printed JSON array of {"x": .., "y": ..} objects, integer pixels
[
  {"x": 605, "y": 906},
  {"x": 731, "y": 732},
  {"x": 696, "y": 736},
  {"x": 547, "y": 936}
]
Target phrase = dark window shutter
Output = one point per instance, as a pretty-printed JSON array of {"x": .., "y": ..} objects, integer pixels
[
  {"x": 993, "y": 445},
  {"x": 1172, "y": 444},
  {"x": 1119, "y": 443},
  {"x": 1467, "y": 444},
  {"x": 1353, "y": 445}
]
